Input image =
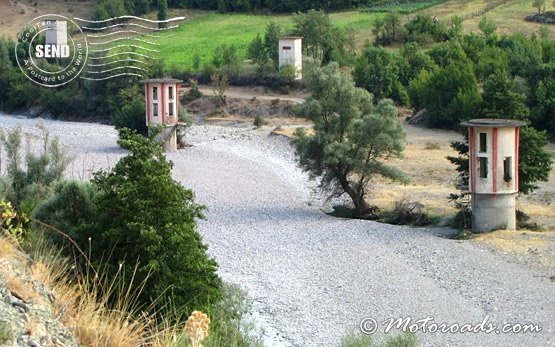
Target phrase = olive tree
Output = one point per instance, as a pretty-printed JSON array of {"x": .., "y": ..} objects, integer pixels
[{"x": 352, "y": 136}]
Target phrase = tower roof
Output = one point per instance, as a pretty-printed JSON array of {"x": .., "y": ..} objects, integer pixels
[
  {"x": 162, "y": 80},
  {"x": 493, "y": 123}
]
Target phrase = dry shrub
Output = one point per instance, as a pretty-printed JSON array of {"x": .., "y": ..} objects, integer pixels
[{"x": 432, "y": 145}]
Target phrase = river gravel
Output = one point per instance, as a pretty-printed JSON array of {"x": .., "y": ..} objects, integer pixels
[{"x": 314, "y": 277}]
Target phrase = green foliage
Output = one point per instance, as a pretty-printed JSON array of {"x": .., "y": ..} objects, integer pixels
[
  {"x": 144, "y": 217},
  {"x": 30, "y": 180},
  {"x": 377, "y": 70},
  {"x": 539, "y": 4},
  {"x": 449, "y": 94},
  {"x": 535, "y": 163},
  {"x": 352, "y": 136},
  {"x": 359, "y": 340},
  {"x": 71, "y": 209},
  {"x": 388, "y": 29},
  {"x": 258, "y": 54},
  {"x": 448, "y": 53},
  {"x": 405, "y": 7},
  {"x": 226, "y": 59},
  {"x": 287, "y": 74},
  {"x": 162, "y": 12},
  {"x": 271, "y": 41},
  {"x": 131, "y": 111},
  {"x": 416, "y": 61},
  {"x": 492, "y": 59},
  {"x": 424, "y": 30},
  {"x": 11, "y": 221},
  {"x": 488, "y": 29}
]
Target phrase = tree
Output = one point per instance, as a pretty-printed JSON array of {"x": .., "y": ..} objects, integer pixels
[
  {"x": 351, "y": 139},
  {"x": 449, "y": 94},
  {"x": 488, "y": 29},
  {"x": 377, "y": 70},
  {"x": 146, "y": 218},
  {"x": 162, "y": 12},
  {"x": 271, "y": 41},
  {"x": 539, "y": 4},
  {"x": 501, "y": 101},
  {"x": 316, "y": 29},
  {"x": 29, "y": 181},
  {"x": 258, "y": 54}
]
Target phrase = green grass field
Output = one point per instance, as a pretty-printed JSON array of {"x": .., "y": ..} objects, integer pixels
[
  {"x": 203, "y": 33},
  {"x": 404, "y": 8}
]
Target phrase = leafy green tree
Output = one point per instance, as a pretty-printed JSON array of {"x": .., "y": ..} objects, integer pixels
[
  {"x": 449, "y": 95},
  {"x": 377, "y": 70},
  {"x": 525, "y": 53},
  {"x": 448, "y": 53},
  {"x": 492, "y": 59},
  {"x": 416, "y": 61},
  {"x": 129, "y": 109},
  {"x": 488, "y": 29},
  {"x": 30, "y": 180},
  {"x": 315, "y": 27},
  {"x": 352, "y": 136},
  {"x": 271, "y": 41},
  {"x": 258, "y": 54},
  {"x": 162, "y": 12},
  {"x": 539, "y": 4},
  {"x": 146, "y": 218}
]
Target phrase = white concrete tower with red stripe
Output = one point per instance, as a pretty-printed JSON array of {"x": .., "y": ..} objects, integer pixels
[
  {"x": 162, "y": 107},
  {"x": 493, "y": 172}
]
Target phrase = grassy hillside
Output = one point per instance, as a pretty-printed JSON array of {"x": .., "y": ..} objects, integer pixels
[{"x": 206, "y": 31}]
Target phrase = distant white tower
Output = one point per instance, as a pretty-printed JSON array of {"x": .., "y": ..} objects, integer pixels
[
  {"x": 291, "y": 53},
  {"x": 493, "y": 183},
  {"x": 162, "y": 105},
  {"x": 56, "y": 32}
]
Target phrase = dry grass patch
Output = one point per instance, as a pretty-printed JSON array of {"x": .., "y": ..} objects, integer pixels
[{"x": 20, "y": 289}]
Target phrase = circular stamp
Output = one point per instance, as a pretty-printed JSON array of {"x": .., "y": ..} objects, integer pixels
[{"x": 51, "y": 50}]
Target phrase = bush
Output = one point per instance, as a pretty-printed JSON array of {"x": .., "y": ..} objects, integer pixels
[
  {"x": 258, "y": 121},
  {"x": 359, "y": 340},
  {"x": 144, "y": 217},
  {"x": 406, "y": 212}
]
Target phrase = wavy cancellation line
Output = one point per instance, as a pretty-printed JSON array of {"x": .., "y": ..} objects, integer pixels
[
  {"x": 113, "y": 76},
  {"x": 121, "y": 39},
  {"x": 121, "y": 53},
  {"x": 117, "y": 68},
  {"x": 117, "y": 61},
  {"x": 131, "y": 17},
  {"x": 126, "y": 32},
  {"x": 120, "y": 46},
  {"x": 131, "y": 24}
]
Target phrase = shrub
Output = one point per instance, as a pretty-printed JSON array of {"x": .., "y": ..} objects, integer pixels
[
  {"x": 145, "y": 217},
  {"x": 29, "y": 181},
  {"x": 406, "y": 212},
  {"x": 258, "y": 121},
  {"x": 358, "y": 340},
  {"x": 432, "y": 145}
]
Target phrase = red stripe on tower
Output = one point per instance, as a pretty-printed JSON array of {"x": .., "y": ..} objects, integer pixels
[
  {"x": 147, "y": 97},
  {"x": 163, "y": 106},
  {"x": 517, "y": 145},
  {"x": 494, "y": 160},
  {"x": 471, "y": 168}
]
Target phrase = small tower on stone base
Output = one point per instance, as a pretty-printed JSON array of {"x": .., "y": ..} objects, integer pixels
[
  {"x": 291, "y": 53},
  {"x": 493, "y": 184},
  {"x": 162, "y": 105}
]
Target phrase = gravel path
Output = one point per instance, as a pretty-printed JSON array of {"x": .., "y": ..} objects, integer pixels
[{"x": 316, "y": 276}]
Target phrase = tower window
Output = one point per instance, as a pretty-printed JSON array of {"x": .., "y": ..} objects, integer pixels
[
  {"x": 155, "y": 109},
  {"x": 286, "y": 48},
  {"x": 483, "y": 142},
  {"x": 154, "y": 93},
  {"x": 483, "y": 167},
  {"x": 508, "y": 169},
  {"x": 170, "y": 92},
  {"x": 170, "y": 107}
]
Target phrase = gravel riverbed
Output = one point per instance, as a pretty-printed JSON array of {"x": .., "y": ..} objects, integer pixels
[{"x": 314, "y": 277}]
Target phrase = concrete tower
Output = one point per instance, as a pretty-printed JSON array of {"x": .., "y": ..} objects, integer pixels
[
  {"x": 291, "y": 53},
  {"x": 493, "y": 172},
  {"x": 56, "y": 32},
  {"x": 161, "y": 101}
]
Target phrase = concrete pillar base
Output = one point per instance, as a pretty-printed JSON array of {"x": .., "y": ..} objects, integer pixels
[{"x": 492, "y": 212}]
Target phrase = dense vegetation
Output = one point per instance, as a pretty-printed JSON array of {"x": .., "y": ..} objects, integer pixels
[{"x": 113, "y": 8}]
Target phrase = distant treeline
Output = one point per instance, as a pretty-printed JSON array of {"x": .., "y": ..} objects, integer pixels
[{"x": 112, "y": 8}]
